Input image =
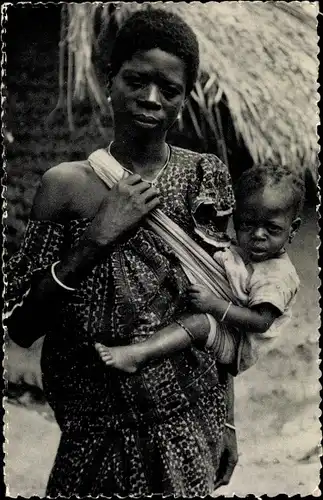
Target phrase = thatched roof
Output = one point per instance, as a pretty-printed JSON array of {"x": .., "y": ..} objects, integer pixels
[{"x": 261, "y": 55}]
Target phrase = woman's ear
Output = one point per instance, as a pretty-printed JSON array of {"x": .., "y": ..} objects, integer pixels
[
  {"x": 294, "y": 228},
  {"x": 108, "y": 80},
  {"x": 180, "y": 113}
]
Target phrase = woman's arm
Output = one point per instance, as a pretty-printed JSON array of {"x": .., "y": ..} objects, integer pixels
[
  {"x": 125, "y": 205},
  {"x": 229, "y": 457},
  {"x": 28, "y": 321}
]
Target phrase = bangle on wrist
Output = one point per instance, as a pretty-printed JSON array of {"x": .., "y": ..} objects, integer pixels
[
  {"x": 70, "y": 289},
  {"x": 230, "y": 426},
  {"x": 226, "y": 312},
  {"x": 189, "y": 333}
]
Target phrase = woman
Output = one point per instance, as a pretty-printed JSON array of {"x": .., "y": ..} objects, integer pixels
[{"x": 90, "y": 268}]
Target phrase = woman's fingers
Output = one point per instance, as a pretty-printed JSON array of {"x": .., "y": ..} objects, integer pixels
[
  {"x": 136, "y": 186},
  {"x": 194, "y": 289},
  {"x": 136, "y": 181},
  {"x": 152, "y": 204},
  {"x": 132, "y": 179},
  {"x": 127, "y": 203},
  {"x": 150, "y": 192},
  {"x": 149, "y": 196},
  {"x": 140, "y": 187}
]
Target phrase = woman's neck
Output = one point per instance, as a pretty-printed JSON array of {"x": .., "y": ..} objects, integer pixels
[{"x": 144, "y": 156}]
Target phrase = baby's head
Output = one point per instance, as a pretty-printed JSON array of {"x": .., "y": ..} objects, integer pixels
[{"x": 269, "y": 200}]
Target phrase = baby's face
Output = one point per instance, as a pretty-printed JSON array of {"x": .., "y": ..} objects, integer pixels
[{"x": 263, "y": 223}]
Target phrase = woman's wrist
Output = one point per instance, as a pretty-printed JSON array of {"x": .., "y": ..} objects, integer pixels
[
  {"x": 94, "y": 238},
  {"x": 80, "y": 260},
  {"x": 57, "y": 281}
]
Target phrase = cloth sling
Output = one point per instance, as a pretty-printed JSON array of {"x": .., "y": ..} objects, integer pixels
[{"x": 197, "y": 264}]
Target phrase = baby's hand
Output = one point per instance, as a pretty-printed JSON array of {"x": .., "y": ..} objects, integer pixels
[{"x": 200, "y": 298}]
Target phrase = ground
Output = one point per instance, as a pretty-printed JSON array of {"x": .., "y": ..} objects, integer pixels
[{"x": 277, "y": 406}]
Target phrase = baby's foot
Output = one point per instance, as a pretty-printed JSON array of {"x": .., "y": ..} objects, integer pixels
[{"x": 125, "y": 358}]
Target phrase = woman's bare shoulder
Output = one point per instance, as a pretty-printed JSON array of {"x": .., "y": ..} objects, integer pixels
[{"x": 59, "y": 187}]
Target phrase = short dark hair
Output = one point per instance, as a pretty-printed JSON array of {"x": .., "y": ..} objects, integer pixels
[
  {"x": 273, "y": 176},
  {"x": 151, "y": 28}
]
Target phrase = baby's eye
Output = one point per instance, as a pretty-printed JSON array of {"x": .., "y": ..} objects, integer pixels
[{"x": 274, "y": 229}]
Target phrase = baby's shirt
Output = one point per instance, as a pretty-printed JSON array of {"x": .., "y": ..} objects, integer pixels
[{"x": 274, "y": 281}]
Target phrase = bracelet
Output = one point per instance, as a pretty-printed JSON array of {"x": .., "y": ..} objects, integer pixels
[
  {"x": 230, "y": 426},
  {"x": 189, "y": 333},
  {"x": 226, "y": 312},
  {"x": 70, "y": 289}
]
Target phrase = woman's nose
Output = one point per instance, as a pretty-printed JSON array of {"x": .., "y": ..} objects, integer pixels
[{"x": 151, "y": 97}]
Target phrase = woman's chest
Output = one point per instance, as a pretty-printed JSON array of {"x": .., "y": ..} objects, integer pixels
[{"x": 176, "y": 188}]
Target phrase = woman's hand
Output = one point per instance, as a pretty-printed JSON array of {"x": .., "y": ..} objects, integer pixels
[
  {"x": 229, "y": 458},
  {"x": 200, "y": 298},
  {"x": 128, "y": 202}
]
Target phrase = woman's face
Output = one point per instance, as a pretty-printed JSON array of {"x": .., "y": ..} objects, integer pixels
[{"x": 148, "y": 92}]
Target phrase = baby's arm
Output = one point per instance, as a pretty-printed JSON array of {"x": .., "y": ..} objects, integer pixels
[{"x": 256, "y": 319}]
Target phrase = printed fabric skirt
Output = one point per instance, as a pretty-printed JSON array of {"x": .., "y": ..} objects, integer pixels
[{"x": 179, "y": 456}]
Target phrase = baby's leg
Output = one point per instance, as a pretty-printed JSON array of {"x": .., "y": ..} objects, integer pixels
[
  {"x": 222, "y": 343},
  {"x": 127, "y": 358},
  {"x": 167, "y": 341}
]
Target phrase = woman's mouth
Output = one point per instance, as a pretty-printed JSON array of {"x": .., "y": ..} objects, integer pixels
[{"x": 144, "y": 120}]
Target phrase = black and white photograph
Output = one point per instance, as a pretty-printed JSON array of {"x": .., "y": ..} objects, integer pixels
[{"x": 160, "y": 205}]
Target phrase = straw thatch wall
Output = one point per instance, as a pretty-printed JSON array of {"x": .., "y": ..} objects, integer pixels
[{"x": 261, "y": 57}]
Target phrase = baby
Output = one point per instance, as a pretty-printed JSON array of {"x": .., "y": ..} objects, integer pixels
[{"x": 262, "y": 279}]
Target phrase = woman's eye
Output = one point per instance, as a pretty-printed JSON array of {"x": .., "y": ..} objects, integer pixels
[
  {"x": 134, "y": 82},
  {"x": 245, "y": 226},
  {"x": 169, "y": 91}
]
